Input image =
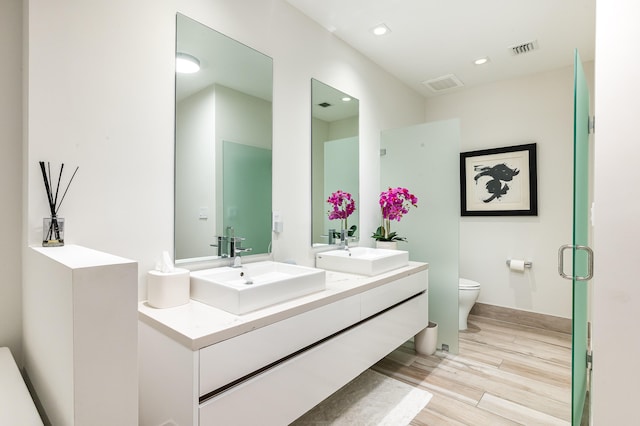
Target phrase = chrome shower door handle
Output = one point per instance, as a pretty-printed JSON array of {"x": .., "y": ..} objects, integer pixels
[
  {"x": 589, "y": 262},
  {"x": 561, "y": 261}
]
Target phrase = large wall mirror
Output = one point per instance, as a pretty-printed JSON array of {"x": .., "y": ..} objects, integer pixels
[
  {"x": 334, "y": 159},
  {"x": 222, "y": 143}
]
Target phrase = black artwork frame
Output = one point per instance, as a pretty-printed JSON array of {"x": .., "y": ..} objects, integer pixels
[{"x": 499, "y": 181}]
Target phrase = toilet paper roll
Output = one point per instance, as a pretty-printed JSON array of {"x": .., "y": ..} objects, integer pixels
[{"x": 516, "y": 265}]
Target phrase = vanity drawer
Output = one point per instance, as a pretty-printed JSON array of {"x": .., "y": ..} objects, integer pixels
[
  {"x": 232, "y": 359},
  {"x": 382, "y": 297},
  {"x": 283, "y": 393}
]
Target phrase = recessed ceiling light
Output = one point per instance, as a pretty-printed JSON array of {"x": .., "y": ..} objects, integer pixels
[
  {"x": 481, "y": 61},
  {"x": 380, "y": 29},
  {"x": 346, "y": 99},
  {"x": 187, "y": 64}
]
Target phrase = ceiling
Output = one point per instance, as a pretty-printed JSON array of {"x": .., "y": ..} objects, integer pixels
[{"x": 430, "y": 39}]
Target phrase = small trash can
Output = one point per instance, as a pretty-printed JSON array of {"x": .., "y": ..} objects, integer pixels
[{"x": 426, "y": 340}]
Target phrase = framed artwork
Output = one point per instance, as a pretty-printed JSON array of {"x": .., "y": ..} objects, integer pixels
[{"x": 499, "y": 182}]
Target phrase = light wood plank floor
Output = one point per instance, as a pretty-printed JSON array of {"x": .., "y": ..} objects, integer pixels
[{"x": 505, "y": 374}]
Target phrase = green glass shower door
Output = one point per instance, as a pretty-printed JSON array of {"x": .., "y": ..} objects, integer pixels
[{"x": 582, "y": 255}]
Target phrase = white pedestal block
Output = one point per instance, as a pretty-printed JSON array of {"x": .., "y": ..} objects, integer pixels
[{"x": 80, "y": 335}]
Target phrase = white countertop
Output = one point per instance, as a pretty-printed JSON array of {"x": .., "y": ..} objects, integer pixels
[{"x": 197, "y": 325}]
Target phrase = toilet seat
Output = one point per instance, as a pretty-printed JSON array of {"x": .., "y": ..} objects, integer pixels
[{"x": 465, "y": 284}]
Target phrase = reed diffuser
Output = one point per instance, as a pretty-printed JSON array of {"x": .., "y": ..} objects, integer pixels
[{"x": 53, "y": 226}]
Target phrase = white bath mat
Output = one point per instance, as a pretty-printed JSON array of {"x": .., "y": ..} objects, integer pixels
[{"x": 370, "y": 399}]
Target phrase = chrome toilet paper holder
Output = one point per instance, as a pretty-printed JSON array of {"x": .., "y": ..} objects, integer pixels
[{"x": 527, "y": 264}]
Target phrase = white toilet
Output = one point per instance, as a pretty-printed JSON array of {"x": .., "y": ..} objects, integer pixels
[{"x": 468, "y": 292}]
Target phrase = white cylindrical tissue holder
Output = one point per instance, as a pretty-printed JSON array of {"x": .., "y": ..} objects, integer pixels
[{"x": 168, "y": 289}]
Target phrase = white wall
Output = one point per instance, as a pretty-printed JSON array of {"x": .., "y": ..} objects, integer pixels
[
  {"x": 539, "y": 109},
  {"x": 196, "y": 175},
  {"x": 243, "y": 118},
  {"x": 11, "y": 175},
  {"x": 617, "y": 208},
  {"x": 87, "y": 108}
]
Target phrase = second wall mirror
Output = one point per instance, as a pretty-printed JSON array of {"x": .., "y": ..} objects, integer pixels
[{"x": 334, "y": 160}]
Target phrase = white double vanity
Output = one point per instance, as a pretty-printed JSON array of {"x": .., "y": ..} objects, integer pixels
[{"x": 202, "y": 365}]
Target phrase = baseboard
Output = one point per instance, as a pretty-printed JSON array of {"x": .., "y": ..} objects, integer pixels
[{"x": 516, "y": 316}]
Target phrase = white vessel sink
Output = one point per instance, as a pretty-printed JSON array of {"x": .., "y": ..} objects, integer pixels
[
  {"x": 362, "y": 260},
  {"x": 254, "y": 285}
]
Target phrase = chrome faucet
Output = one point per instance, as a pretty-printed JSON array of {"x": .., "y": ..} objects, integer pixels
[
  {"x": 235, "y": 251},
  {"x": 344, "y": 240},
  {"x": 221, "y": 244},
  {"x": 332, "y": 236}
]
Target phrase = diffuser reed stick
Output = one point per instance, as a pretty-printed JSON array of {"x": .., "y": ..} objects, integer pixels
[{"x": 52, "y": 234}]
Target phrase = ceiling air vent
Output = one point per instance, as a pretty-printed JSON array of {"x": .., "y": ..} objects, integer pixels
[
  {"x": 527, "y": 47},
  {"x": 446, "y": 82}
]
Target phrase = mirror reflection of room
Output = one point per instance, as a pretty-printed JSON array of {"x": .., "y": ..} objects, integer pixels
[
  {"x": 335, "y": 167},
  {"x": 223, "y": 145}
]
